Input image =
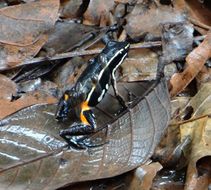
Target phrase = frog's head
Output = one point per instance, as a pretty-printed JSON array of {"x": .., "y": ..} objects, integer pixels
[{"x": 114, "y": 53}]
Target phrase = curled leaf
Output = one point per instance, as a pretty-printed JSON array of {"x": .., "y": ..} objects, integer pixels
[
  {"x": 199, "y": 131},
  {"x": 195, "y": 61}
]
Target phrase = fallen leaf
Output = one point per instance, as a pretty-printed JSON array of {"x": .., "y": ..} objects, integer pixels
[
  {"x": 168, "y": 179},
  {"x": 200, "y": 13},
  {"x": 71, "y": 9},
  {"x": 143, "y": 176},
  {"x": 8, "y": 107},
  {"x": 98, "y": 12},
  {"x": 199, "y": 130},
  {"x": 7, "y": 88},
  {"x": 194, "y": 61},
  {"x": 66, "y": 35},
  {"x": 141, "y": 65},
  {"x": 23, "y": 30},
  {"x": 177, "y": 41},
  {"x": 144, "y": 20},
  {"x": 203, "y": 76},
  {"x": 31, "y": 143}
]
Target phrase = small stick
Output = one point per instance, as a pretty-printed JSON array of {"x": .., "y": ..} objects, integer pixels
[
  {"x": 85, "y": 52},
  {"x": 198, "y": 23}
]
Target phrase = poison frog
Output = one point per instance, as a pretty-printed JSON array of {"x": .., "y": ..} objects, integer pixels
[{"x": 90, "y": 89}]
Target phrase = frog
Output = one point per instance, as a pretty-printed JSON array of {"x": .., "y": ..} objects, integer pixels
[{"x": 89, "y": 90}]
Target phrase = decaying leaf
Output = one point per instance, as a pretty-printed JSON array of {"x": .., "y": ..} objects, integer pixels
[
  {"x": 98, "y": 12},
  {"x": 141, "y": 65},
  {"x": 31, "y": 143},
  {"x": 177, "y": 41},
  {"x": 203, "y": 76},
  {"x": 8, "y": 107},
  {"x": 71, "y": 9},
  {"x": 23, "y": 30},
  {"x": 168, "y": 179},
  {"x": 195, "y": 61},
  {"x": 199, "y": 130},
  {"x": 148, "y": 20},
  {"x": 67, "y": 75},
  {"x": 143, "y": 176},
  {"x": 66, "y": 36},
  {"x": 199, "y": 13},
  {"x": 7, "y": 88}
]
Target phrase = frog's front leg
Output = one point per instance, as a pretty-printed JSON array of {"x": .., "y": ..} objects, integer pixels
[
  {"x": 116, "y": 93},
  {"x": 86, "y": 126}
]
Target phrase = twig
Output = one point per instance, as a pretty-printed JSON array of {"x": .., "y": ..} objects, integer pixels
[
  {"x": 85, "y": 52},
  {"x": 198, "y": 23},
  {"x": 190, "y": 120}
]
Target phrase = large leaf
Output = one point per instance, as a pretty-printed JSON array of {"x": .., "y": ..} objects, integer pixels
[{"x": 33, "y": 156}]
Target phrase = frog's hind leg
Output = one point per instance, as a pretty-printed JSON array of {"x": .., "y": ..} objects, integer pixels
[{"x": 86, "y": 127}]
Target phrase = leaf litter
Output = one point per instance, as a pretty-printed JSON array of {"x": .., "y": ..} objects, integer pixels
[{"x": 178, "y": 25}]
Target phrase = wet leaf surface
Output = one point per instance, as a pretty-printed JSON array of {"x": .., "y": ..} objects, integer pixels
[
  {"x": 44, "y": 48},
  {"x": 124, "y": 151}
]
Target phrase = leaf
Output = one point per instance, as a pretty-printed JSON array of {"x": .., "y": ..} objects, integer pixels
[
  {"x": 141, "y": 65},
  {"x": 194, "y": 63},
  {"x": 199, "y": 130},
  {"x": 144, "y": 20},
  {"x": 177, "y": 41},
  {"x": 98, "y": 12},
  {"x": 143, "y": 176},
  {"x": 24, "y": 30},
  {"x": 7, "y": 88},
  {"x": 199, "y": 13},
  {"x": 33, "y": 155},
  {"x": 71, "y": 9},
  {"x": 8, "y": 107}
]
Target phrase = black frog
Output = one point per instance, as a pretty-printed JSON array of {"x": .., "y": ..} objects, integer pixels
[{"x": 90, "y": 89}]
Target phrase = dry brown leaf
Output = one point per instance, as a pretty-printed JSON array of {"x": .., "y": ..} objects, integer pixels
[
  {"x": 203, "y": 76},
  {"x": 37, "y": 97},
  {"x": 142, "y": 20},
  {"x": 199, "y": 13},
  {"x": 70, "y": 9},
  {"x": 141, "y": 65},
  {"x": 23, "y": 30},
  {"x": 199, "y": 130},
  {"x": 195, "y": 61},
  {"x": 7, "y": 88},
  {"x": 143, "y": 176},
  {"x": 98, "y": 12}
]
